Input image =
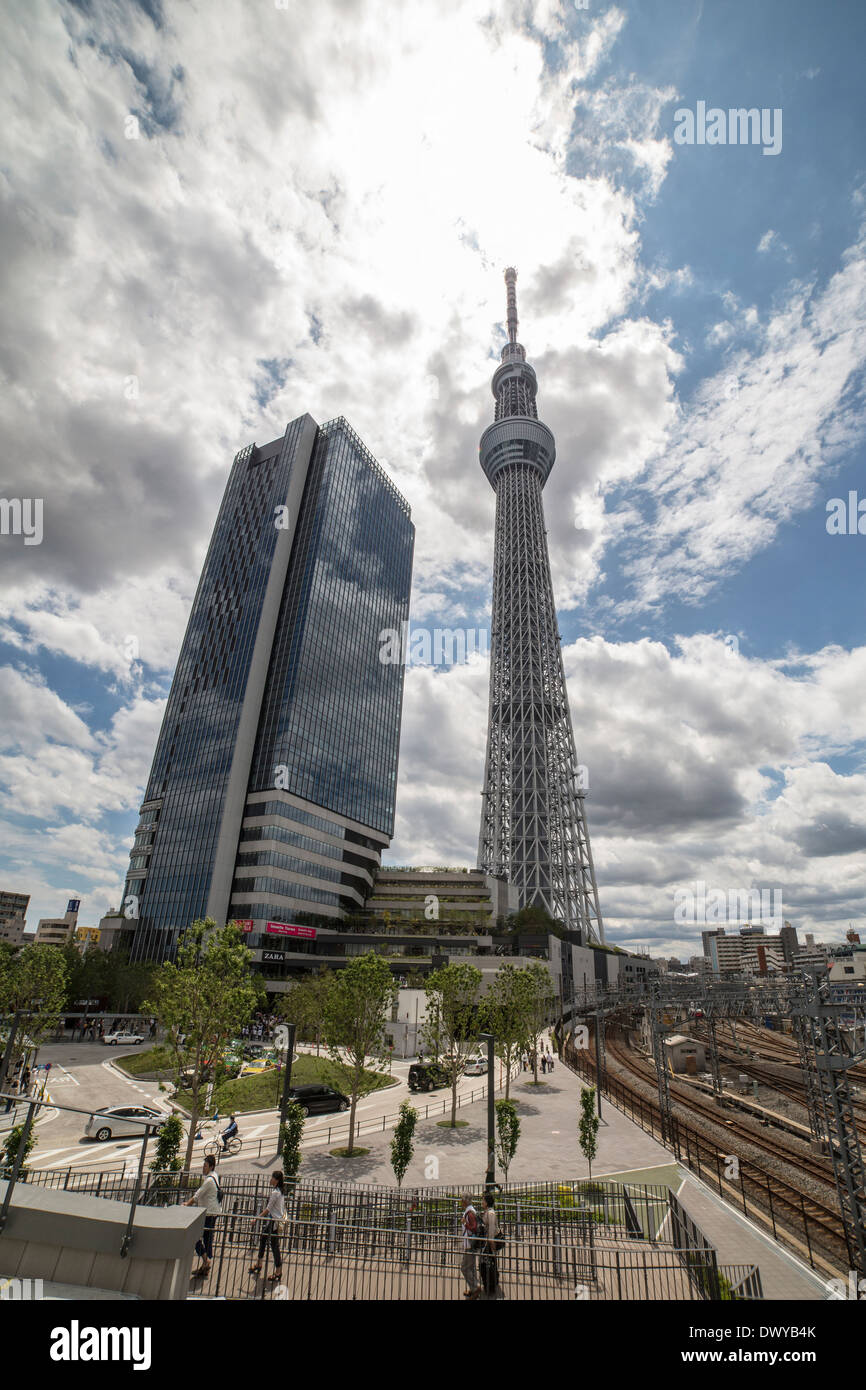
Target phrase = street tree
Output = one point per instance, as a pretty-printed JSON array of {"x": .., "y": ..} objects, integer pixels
[
  {"x": 540, "y": 1005},
  {"x": 358, "y": 1001},
  {"x": 292, "y": 1136},
  {"x": 304, "y": 1005},
  {"x": 452, "y": 994},
  {"x": 588, "y": 1127},
  {"x": 507, "y": 1133},
  {"x": 202, "y": 999},
  {"x": 9, "y": 1150},
  {"x": 34, "y": 984},
  {"x": 403, "y": 1142},
  {"x": 166, "y": 1161},
  {"x": 505, "y": 1012}
]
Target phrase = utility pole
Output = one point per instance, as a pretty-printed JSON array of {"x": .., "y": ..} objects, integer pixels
[
  {"x": 820, "y": 1020},
  {"x": 599, "y": 1053}
]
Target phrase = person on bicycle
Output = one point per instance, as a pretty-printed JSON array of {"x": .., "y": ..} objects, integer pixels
[{"x": 229, "y": 1132}]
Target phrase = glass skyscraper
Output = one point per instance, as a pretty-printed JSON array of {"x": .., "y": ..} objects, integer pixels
[{"x": 273, "y": 784}]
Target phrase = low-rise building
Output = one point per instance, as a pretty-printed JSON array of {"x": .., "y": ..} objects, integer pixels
[
  {"x": 59, "y": 931},
  {"x": 685, "y": 1054}
]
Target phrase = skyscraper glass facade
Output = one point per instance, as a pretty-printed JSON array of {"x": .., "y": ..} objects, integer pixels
[
  {"x": 279, "y": 685},
  {"x": 331, "y": 715}
]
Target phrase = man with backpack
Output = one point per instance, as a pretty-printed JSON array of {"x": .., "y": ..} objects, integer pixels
[
  {"x": 473, "y": 1242},
  {"x": 208, "y": 1195}
]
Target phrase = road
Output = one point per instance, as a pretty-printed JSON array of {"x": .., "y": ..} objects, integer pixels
[{"x": 83, "y": 1076}]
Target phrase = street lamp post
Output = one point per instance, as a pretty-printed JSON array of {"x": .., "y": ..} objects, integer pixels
[
  {"x": 287, "y": 1084},
  {"x": 491, "y": 1112}
]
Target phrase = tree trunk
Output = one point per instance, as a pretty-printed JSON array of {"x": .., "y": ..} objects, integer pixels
[
  {"x": 193, "y": 1126},
  {"x": 454, "y": 1096},
  {"x": 351, "y": 1144}
]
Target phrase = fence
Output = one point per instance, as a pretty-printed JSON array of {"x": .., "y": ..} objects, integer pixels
[
  {"x": 571, "y": 1239},
  {"x": 333, "y": 1260},
  {"x": 768, "y": 1200}
]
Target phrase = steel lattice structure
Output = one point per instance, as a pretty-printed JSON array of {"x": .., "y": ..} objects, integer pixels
[{"x": 533, "y": 820}]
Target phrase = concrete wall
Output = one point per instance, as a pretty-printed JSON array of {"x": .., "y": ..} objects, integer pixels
[{"x": 69, "y": 1238}]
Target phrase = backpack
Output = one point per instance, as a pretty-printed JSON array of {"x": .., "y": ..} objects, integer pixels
[
  {"x": 218, "y": 1186},
  {"x": 474, "y": 1229}
]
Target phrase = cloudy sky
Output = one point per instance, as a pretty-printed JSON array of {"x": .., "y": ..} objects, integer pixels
[{"x": 217, "y": 216}]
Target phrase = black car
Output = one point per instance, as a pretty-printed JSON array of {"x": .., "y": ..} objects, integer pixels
[
  {"x": 428, "y": 1076},
  {"x": 319, "y": 1100}
]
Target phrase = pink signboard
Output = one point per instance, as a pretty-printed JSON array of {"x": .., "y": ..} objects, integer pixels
[
  {"x": 245, "y": 924},
  {"x": 286, "y": 929}
]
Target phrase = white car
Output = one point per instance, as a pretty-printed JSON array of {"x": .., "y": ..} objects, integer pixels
[
  {"x": 121, "y": 1121},
  {"x": 122, "y": 1039},
  {"x": 475, "y": 1066}
]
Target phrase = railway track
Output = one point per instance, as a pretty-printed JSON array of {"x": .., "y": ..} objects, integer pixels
[{"x": 789, "y": 1206}]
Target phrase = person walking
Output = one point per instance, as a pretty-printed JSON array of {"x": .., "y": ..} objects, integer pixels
[
  {"x": 273, "y": 1214},
  {"x": 471, "y": 1227},
  {"x": 488, "y": 1262},
  {"x": 209, "y": 1196}
]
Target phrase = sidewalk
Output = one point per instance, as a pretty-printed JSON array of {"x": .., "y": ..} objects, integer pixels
[{"x": 548, "y": 1146}]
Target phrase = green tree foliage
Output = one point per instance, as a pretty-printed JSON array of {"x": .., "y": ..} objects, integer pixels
[
  {"x": 357, "y": 1005},
  {"x": 11, "y": 1145},
  {"x": 95, "y": 974},
  {"x": 588, "y": 1127},
  {"x": 166, "y": 1160},
  {"x": 33, "y": 981},
  {"x": 506, "y": 1013},
  {"x": 541, "y": 1004},
  {"x": 292, "y": 1136},
  {"x": 304, "y": 1005},
  {"x": 403, "y": 1142},
  {"x": 507, "y": 1133},
  {"x": 202, "y": 999},
  {"x": 452, "y": 1012}
]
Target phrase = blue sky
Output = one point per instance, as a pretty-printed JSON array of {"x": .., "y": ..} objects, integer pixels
[{"x": 216, "y": 218}]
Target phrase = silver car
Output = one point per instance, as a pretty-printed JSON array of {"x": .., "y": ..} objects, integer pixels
[
  {"x": 475, "y": 1066},
  {"x": 121, "y": 1121}
]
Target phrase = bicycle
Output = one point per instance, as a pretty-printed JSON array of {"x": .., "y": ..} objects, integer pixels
[{"x": 214, "y": 1147}]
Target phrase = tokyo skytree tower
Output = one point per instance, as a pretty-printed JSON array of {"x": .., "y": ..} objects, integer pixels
[{"x": 533, "y": 821}]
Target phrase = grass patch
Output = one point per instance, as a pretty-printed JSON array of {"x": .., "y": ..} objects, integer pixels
[
  {"x": 263, "y": 1091},
  {"x": 446, "y": 1124},
  {"x": 155, "y": 1059},
  {"x": 344, "y": 1153}
]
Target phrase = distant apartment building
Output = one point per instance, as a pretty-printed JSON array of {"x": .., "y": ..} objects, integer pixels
[
  {"x": 59, "y": 931},
  {"x": 753, "y": 951},
  {"x": 13, "y": 910},
  {"x": 847, "y": 976}
]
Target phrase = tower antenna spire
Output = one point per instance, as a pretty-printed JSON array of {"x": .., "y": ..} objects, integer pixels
[{"x": 511, "y": 289}]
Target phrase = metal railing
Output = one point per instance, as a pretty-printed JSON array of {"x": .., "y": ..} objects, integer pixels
[
  {"x": 331, "y": 1259},
  {"x": 775, "y": 1205}
]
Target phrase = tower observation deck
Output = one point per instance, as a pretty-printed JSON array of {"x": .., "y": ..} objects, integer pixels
[{"x": 533, "y": 817}]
